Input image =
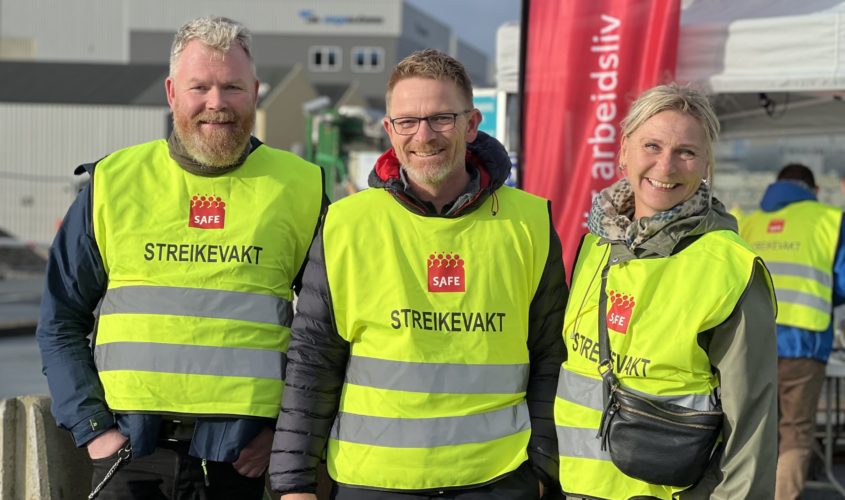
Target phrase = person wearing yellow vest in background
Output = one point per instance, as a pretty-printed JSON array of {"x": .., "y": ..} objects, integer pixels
[
  {"x": 424, "y": 355},
  {"x": 801, "y": 241},
  {"x": 191, "y": 248},
  {"x": 688, "y": 310}
]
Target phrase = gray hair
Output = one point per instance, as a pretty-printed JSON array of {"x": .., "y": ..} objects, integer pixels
[
  {"x": 674, "y": 97},
  {"x": 217, "y": 33}
]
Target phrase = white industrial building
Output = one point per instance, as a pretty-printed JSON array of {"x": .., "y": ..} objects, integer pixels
[
  {"x": 71, "y": 91},
  {"x": 337, "y": 41}
]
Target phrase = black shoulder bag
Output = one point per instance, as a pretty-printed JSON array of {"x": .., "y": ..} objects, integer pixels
[{"x": 651, "y": 440}]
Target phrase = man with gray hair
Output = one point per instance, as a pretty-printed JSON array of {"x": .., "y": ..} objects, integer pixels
[{"x": 192, "y": 249}]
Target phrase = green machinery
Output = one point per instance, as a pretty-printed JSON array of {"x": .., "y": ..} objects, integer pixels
[{"x": 332, "y": 136}]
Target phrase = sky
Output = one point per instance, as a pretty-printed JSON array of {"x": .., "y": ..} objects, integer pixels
[{"x": 474, "y": 21}]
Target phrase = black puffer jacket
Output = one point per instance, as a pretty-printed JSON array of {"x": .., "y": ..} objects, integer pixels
[{"x": 317, "y": 356}]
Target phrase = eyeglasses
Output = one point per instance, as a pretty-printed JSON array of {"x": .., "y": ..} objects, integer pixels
[{"x": 441, "y": 122}]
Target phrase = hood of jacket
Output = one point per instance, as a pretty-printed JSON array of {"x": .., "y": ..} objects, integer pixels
[
  {"x": 677, "y": 235},
  {"x": 783, "y": 193},
  {"x": 486, "y": 160}
]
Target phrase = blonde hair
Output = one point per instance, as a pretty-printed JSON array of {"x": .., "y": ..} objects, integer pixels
[
  {"x": 217, "y": 33},
  {"x": 674, "y": 97},
  {"x": 432, "y": 64}
]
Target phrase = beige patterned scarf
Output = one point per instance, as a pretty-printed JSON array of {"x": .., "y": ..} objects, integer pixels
[{"x": 613, "y": 208}]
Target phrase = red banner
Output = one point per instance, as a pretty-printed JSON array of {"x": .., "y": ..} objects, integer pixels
[{"x": 585, "y": 62}]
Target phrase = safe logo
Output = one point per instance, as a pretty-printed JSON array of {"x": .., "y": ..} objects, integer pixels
[
  {"x": 207, "y": 212},
  {"x": 446, "y": 273},
  {"x": 619, "y": 316},
  {"x": 776, "y": 225}
]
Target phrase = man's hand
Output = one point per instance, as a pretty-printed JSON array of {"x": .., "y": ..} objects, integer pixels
[
  {"x": 299, "y": 496},
  {"x": 106, "y": 444},
  {"x": 542, "y": 489},
  {"x": 255, "y": 457}
]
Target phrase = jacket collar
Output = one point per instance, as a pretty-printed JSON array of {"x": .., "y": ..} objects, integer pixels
[
  {"x": 180, "y": 155},
  {"x": 487, "y": 161}
]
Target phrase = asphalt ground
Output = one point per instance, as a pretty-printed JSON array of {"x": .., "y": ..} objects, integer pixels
[
  {"x": 19, "y": 300},
  {"x": 20, "y": 362}
]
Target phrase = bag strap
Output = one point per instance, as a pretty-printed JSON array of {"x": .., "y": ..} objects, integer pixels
[
  {"x": 605, "y": 363},
  {"x": 610, "y": 382}
]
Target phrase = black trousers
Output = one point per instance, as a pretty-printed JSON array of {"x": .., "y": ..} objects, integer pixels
[
  {"x": 171, "y": 474},
  {"x": 521, "y": 484}
]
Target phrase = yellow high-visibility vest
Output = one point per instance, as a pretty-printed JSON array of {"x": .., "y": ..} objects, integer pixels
[
  {"x": 798, "y": 244},
  {"x": 196, "y": 316},
  {"x": 656, "y": 308},
  {"x": 436, "y": 313}
]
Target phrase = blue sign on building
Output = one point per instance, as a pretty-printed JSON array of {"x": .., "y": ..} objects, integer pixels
[{"x": 486, "y": 103}]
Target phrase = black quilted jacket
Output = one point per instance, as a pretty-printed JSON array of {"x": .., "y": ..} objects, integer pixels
[{"x": 317, "y": 356}]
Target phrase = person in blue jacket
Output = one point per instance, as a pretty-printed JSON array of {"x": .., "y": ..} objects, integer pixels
[
  {"x": 800, "y": 240},
  {"x": 181, "y": 256}
]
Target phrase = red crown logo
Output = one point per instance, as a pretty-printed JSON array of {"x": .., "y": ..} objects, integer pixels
[
  {"x": 776, "y": 225},
  {"x": 446, "y": 273},
  {"x": 207, "y": 212},
  {"x": 620, "y": 311}
]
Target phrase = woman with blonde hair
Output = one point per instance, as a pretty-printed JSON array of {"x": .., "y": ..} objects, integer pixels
[{"x": 669, "y": 387}]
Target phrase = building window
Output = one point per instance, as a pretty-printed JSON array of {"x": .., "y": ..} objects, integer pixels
[
  {"x": 324, "y": 58},
  {"x": 367, "y": 59}
]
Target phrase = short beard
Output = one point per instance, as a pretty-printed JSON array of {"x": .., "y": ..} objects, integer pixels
[
  {"x": 220, "y": 148},
  {"x": 434, "y": 177}
]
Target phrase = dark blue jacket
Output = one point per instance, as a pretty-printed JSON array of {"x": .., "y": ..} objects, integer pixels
[
  {"x": 76, "y": 281},
  {"x": 796, "y": 342}
]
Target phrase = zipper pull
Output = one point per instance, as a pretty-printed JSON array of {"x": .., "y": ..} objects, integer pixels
[
  {"x": 605, "y": 435},
  {"x": 205, "y": 473},
  {"x": 606, "y": 415}
]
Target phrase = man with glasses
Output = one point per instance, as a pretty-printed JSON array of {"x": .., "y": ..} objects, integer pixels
[{"x": 426, "y": 349}]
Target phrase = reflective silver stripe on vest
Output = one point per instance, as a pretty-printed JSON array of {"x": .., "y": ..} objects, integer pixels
[
  {"x": 580, "y": 443},
  {"x": 586, "y": 391},
  {"x": 801, "y": 271},
  {"x": 190, "y": 359},
  {"x": 803, "y": 299},
  {"x": 580, "y": 390},
  {"x": 199, "y": 302},
  {"x": 437, "y": 378},
  {"x": 430, "y": 432}
]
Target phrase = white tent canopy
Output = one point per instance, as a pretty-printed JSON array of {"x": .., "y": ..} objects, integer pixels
[
  {"x": 791, "y": 51},
  {"x": 774, "y": 67}
]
